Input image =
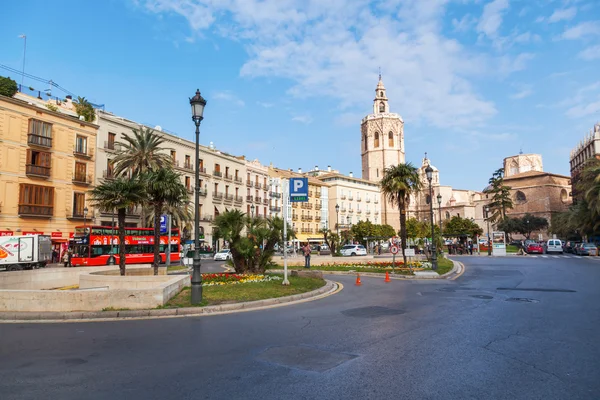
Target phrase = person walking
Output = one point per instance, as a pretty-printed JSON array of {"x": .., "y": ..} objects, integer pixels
[
  {"x": 306, "y": 251},
  {"x": 66, "y": 259}
]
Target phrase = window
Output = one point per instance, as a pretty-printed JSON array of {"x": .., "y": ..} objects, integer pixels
[
  {"x": 188, "y": 162},
  {"x": 78, "y": 204},
  {"x": 520, "y": 197},
  {"x": 265, "y": 183},
  {"x": 173, "y": 155},
  {"x": 38, "y": 162},
  {"x": 248, "y": 177},
  {"x": 376, "y": 139},
  {"x": 248, "y": 209},
  {"x": 187, "y": 182},
  {"x": 564, "y": 197},
  {"x": 237, "y": 192},
  {"x": 447, "y": 215},
  {"x": 391, "y": 139},
  {"x": 40, "y": 133},
  {"x": 427, "y": 199},
  {"x": 80, "y": 172},
  {"x": 381, "y": 93},
  {"x": 111, "y": 140},
  {"x": 226, "y": 171},
  {"x": 226, "y": 190},
  {"x": 81, "y": 145},
  {"x": 36, "y": 200},
  {"x": 382, "y": 107},
  {"x": 201, "y": 165},
  {"x": 366, "y": 142},
  {"x": 109, "y": 173},
  {"x": 265, "y": 211},
  {"x": 216, "y": 187},
  {"x": 237, "y": 173}
]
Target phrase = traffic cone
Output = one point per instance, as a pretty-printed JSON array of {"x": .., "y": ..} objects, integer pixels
[
  {"x": 358, "y": 282},
  {"x": 387, "y": 277}
]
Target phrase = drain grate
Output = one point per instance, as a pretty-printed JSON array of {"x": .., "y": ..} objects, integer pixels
[
  {"x": 305, "y": 358},
  {"x": 482, "y": 296},
  {"x": 522, "y": 300},
  {"x": 538, "y": 290},
  {"x": 372, "y": 312}
]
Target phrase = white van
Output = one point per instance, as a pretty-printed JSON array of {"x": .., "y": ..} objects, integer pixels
[{"x": 554, "y": 246}]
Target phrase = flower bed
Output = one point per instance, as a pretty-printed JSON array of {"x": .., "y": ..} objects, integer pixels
[
  {"x": 235, "y": 279},
  {"x": 383, "y": 265}
]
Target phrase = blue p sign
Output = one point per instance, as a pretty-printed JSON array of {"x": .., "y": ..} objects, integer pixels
[
  {"x": 163, "y": 224},
  {"x": 298, "y": 189}
]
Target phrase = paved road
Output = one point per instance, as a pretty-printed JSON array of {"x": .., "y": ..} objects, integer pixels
[{"x": 462, "y": 339}]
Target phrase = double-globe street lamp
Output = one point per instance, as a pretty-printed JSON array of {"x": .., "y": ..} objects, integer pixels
[
  {"x": 429, "y": 173},
  {"x": 487, "y": 219},
  {"x": 439, "y": 200},
  {"x": 198, "y": 103},
  {"x": 337, "y": 219}
]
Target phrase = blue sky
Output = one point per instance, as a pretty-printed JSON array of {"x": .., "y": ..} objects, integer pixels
[{"x": 288, "y": 81}]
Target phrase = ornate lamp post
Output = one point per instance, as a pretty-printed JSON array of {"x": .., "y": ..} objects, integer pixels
[
  {"x": 337, "y": 218},
  {"x": 487, "y": 218},
  {"x": 85, "y": 212},
  {"x": 198, "y": 103},
  {"x": 429, "y": 173},
  {"x": 439, "y": 200},
  {"x": 252, "y": 210}
]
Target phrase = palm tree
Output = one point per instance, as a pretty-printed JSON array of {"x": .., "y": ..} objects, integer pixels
[
  {"x": 120, "y": 194},
  {"x": 397, "y": 184},
  {"x": 141, "y": 153},
  {"x": 163, "y": 188},
  {"x": 229, "y": 226}
]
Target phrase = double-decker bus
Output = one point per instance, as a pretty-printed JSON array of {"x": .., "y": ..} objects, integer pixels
[{"x": 99, "y": 245}]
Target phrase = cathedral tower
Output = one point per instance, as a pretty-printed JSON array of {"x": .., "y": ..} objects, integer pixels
[{"x": 382, "y": 137}]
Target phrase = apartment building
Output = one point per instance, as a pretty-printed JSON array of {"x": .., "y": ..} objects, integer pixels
[
  {"x": 358, "y": 200},
  {"x": 47, "y": 164},
  {"x": 586, "y": 149},
  {"x": 257, "y": 189},
  {"x": 308, "y": 218}
]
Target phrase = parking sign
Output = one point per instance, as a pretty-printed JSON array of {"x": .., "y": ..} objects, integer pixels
[
  {"x": 163, "y": 224},
  {"x": 298, "y": 190}
]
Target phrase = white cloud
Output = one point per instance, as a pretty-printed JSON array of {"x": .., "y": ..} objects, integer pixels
[
  {"x": 588, "y": 28},
  {"x": 583, "y": 110},
  {"x": 507, "y": 64},
  {"x": 304, "y": 119},
  {"x": 265, "y": 105},
  {"x": 230, "y": 97},
  {"x": 590, "y": 53},
  {"x": 524, "y": 91},
  {"x": 565, "y": 14},
  {"x": 464, "y": 24},
  {"x": 491, "y": 19}
]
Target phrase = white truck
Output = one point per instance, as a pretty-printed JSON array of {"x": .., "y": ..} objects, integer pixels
[{"x": 25, "y": 252}]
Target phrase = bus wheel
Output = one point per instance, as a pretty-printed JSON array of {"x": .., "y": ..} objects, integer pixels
[
  {"x": 14, "y": 268},
  {"x": 111, "y": 261}
]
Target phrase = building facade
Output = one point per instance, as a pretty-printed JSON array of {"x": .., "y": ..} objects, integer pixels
[
  {"x": 47, "y": 164},
  {"x": 382, "y": 146},
  {"x": 258, "y": 186},
  {"x": 586, "y": 149}
]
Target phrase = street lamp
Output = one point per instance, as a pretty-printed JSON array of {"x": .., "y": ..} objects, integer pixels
[
  {"x": 487, "y": 218},
  {"x": 429, "y": 173},
  {"x": 198, "y": 103},
  {"x": 337, "y": 218},
  {"x": 252, "y": 210},
  {"x": 85, "y": 212},
  {"x": 439, "y": 199}
]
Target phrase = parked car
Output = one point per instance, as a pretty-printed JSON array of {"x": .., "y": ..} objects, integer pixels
[
  {"x": 353, "y": 250},
  {"x": 223, "y": 255},
  {"x": 535, "y": 248},
  {"x": 569, "y": 247},
  {"x": 587, "y": 249},
  {"x": 554, "y": 246},
  {"x": 576, "y": 248}
]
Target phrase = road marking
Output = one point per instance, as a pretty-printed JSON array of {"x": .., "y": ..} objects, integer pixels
[
  {"x": 545, "y": 256},
  {"x": 555, "y": 257},
  {"x": 533, "y": 256}
]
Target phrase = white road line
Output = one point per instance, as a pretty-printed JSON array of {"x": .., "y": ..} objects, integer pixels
[
  {"x": 555, "y": 257},
  {"x": 545, "y": 256},
  {"x": 533, "y": 256}
]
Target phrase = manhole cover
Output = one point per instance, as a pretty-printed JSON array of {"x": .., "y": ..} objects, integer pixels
[
  {"x": 481, "y": 296},
  {"x": 372, "y": 312},
  {"x": 306, "y": 358},
  {"x": 522, "y": 300},
  {"x": 538, "y": 290}
]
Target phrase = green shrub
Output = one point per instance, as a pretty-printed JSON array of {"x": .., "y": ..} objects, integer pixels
[{"x": 8, "y": 87}]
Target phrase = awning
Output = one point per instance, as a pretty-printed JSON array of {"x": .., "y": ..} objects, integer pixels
[{"x": 60, "y": 240}]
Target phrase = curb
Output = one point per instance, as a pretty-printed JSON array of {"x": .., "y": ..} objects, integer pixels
[{"x": 328, "y": 289}]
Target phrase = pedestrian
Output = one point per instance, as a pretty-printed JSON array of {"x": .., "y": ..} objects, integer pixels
[
  {"x": 379, "y": 249},
  {"x": 54, "y": 256},
  {"x": 471, "y": 248},
  {"x": 65, "y": 259},
  {"x": 306, "y": 251}
]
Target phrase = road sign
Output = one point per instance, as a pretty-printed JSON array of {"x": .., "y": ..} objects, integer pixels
[
  {"x": 163, "y": 224},
  {"x": 394, "y": 249},
  {"x": 409, "y": 252},
  {"x": 298, "y": 190}
]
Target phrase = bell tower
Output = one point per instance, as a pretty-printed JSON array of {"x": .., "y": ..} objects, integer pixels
[{"x": 382, "y": 137}]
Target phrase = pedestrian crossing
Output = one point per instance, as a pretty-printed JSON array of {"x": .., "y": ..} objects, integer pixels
[{"x": 561, "y": 256}]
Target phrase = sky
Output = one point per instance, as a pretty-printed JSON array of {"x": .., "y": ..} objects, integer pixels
[{"x": 288, "y": 81}]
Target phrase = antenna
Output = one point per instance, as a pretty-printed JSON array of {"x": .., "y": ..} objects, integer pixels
[
  {"x": 379, "y": 73},
  {"x": 521, "y": 150}
]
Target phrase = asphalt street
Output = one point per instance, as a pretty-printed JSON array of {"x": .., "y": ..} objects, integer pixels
[{"x": 508, "y": 328}]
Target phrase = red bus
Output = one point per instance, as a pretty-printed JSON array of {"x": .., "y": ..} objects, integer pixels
[{"x": 92, "y": 246}]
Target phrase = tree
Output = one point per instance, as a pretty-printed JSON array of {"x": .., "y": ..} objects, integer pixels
[
  {"x": 397, "y": 185},
  {"x": 140, "y": 153},
  {"x": 361, "y": 230},
  {"x": 85, "y": 108},
  {"x": 332, "y": 240},
  {"x": 461, "y": 227},
  {"x": 510, "y": 226},
  {"x": 163, "y": 187},
  {"x": 229, "y": 226},
  {"x": 119, "y": 194},
  {"x": 8, "y": 87},
  {"x": 384, "y": 231},
  {"x": 414, "y": 228},
  {"x": 501, "y": 200},
  {"x": 530, "y": 223}
]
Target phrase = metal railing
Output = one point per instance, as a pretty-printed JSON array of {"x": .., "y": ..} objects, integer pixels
[
  {"x": 238, "y": 199},
  {"x": 217, "y": 196},
  {"x": 237, "y": 179},
  {"x": 83, "y": 179},
  {"x": 275, "y": 194},
  {"x": 249, "y": 183},
  {"x": 202, "y": 170},
  {"x": 217, "y": 173},
  {"x": 83, "y": 152},
  {"x": 228, "y": 177},
  {"x": 38, "y": 140},
  {"x": 206, "y": 217},
  {"x": 108, "y": 174},
  {"x": 249, "y": 199},
  {"x": 37, "y": 170},
  {"x": 258, "y": 185},
  {"x": 343, "y": 197}
]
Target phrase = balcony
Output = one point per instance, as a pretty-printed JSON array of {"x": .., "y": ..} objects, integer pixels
[
  {"x": 258, "y": 185},
  {"x": 202, "y": 170},
  {"x": 351, "y": 211},
  {"x": 78, "y": 214},
  {"x": 82, "y": 179},
  {"x": 218, "y": 174},
  {"x": 275, "y": 209},
  {"x": 368, "y": 212},
  {"x": 249, "y": 199},
  {"x": 275, "y": 195},
  {"x": 266, "y": 202},
  {"x": 83, "y": 152},
  {"x": 228, "y": 177},
  {"x": 350, "y": 197},
  {"x": 318, "y": 194},
  {"x": 343, "y": 209},
  {"x": 307, "y": 206},
  {"x": 206, "y": 217},
  {"x": 111, "y": 146},
  {"x": 376, "y": 201},
  {"x": 294, "y": 205},
  {"x": 310, "y": 193},
  {"x": 228, "y": 198},
  {"x": 238, "y": 199},
  {"x": 358, "y": 199},
  {"x": 35, "y": 211},
  {"x": 217, "y": 196},
  {"x": 237, "y": 179},
  {"x": 358, "y": 211},
  {"x": 108, "y": 174},
  {"x": 37, "y": 171},
  {"x": 190, "y": 190},
  {"x": 294, "y": 217},
  {"x": 376, "y": 213},
  {"x": 40, "y": 141},
  {"x": 203, "y": 192},
  {"x": 249, "y": 183},
  {"x": 258, "y": 199},
  {"x": 368, "y": 200},
  {"x": 188, "y": 166},
  {"x": 307, "y": 218},
  {"x": 343, "y": 197}
]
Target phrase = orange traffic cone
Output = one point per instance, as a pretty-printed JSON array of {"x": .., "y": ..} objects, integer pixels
[
  {"x": 387, "y": 277},
  {"x": 358, "y": 282}
]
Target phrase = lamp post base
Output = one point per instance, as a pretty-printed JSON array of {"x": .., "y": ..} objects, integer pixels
[
  {"x": 285, "y": 282},
  {"x": 196, "y": 281}
]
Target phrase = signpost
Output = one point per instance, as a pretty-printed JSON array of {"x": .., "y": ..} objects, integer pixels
[
  {"x": 394, "y": 251},
  {"x": 165, "y": 227},
  {"x": 298, "y": 190},
  {"x": 285, "y": 196},
  {"x": 499, "y": 243}
]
